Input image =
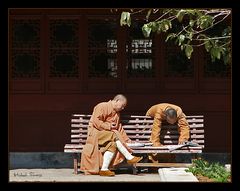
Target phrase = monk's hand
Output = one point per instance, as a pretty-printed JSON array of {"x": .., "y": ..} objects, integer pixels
[
  {"x": 113, "y": 126},
  {"x": 181, "y": 142}
]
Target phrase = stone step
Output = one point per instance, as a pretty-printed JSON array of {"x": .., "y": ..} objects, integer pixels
[{"x": 176, "y": 175}]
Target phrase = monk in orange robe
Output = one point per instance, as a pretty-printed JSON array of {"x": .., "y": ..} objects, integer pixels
[
  {"x": 171, "y": 114},
  {"x": 106, "y": 140}
]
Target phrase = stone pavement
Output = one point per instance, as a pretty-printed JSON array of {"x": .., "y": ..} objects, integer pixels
[
  {"x": 66, "y": 175},
  {"x": 176, "y": 175}
]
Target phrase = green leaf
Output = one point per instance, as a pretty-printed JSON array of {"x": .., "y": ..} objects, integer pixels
[
  {"x": 164, "y": 25},
  {"x": 146, "y": 30},
  {"x": 227, "y": 58},
  {"x": 191, "y": 23},
  {"x": 170, "y": 36},
  {"x": 188, "y": 51},
  {"x": 208, "y": 45},
  {"x": 205, "y": 21},
  {"x": 190, "y": 35},
  {"x": 191, "y": 11},
  {"x": 180, "y": 15},
  {"x": 182, "y": 47},
  {"x": 216, "y": 52},
  {"x": 125, "y": 19},
  {"x": 198, "y": 13},
  {"x": 154, "y": 26},
  {"x": 181, "y": 38}
]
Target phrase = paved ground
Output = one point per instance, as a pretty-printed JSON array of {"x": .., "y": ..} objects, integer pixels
[{"x": 66, "y": 175}]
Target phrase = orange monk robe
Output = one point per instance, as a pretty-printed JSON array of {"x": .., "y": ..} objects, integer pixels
[
  {"x": 102, "y": 117},
  {"x": 157, "y": 112}
]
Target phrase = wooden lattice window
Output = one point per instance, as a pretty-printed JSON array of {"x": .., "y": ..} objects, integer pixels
[
  {"x": 140, "y": 53},
  {"x": 64, "y": 45},
  {"x": 25, "y": 48},
  {"x": 102, "y": 48}
]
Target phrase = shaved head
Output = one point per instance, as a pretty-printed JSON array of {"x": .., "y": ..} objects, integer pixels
[
  {"x": 119, "y": 102},
  {"x": 120, "y": 97}
]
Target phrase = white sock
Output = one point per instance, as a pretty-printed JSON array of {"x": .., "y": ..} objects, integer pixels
[
  {"x": 107, "y": 158},
  {"x": 123, "y": 150}
]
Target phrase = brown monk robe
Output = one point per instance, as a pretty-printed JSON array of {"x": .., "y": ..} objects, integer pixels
[
  {"x": 102, "y": 137},
  {"x": 157, "y": 112}
]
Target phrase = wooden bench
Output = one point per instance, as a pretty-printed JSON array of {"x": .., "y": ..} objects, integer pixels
[{"x": 138, "y": 128}]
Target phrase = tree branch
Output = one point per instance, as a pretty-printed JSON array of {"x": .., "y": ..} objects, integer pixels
[
  {"x": 213, "y": 38},
  {"x": 141, "y": 10},
  {"x": 163, "y": 15},
  {"x": 212, "y": 25}
]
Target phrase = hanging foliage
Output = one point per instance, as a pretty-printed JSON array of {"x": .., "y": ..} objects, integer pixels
[{"x": 189, "y": 28}]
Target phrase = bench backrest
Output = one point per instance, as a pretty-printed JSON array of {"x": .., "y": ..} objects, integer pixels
[{"x": 138, "y": 128}]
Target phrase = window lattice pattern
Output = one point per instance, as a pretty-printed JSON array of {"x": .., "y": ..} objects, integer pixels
[
  {"x": 111, "y": 46},
  {"x": 25, "y": 48},
  {"x": 64, "y": 63},
  {"x": 102, "y": 64},
  {"x": 26, "y": 64},
  {"x": 64, "y": 44},
  {"x": 26, "y": 33},
  {"x": 140, "y": 54},
  {"x": 216, "y": 68},
  {"x": 102, "y": 48},
  {"x": 64, "y": 33},
  {"x": 176, "y": 62}
]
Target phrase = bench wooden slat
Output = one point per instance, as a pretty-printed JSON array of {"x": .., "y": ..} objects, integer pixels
[
  {"x": 144, "y": 132},
  {"x": 137, "y": 126},
  {"x": 72, "y": 150},
  {"x": 77, "y": 125},
  {"x": 197, "y": 131},
  {"x": 194, "y": 116},
  {"x": 166, "y": 151},
  {"x": 80, "y": 120},
  {"x": 75, "y": 146},
  {"x": 196, "y": 125},
  {"x": 136, "y": 116},
  {"x": 78, "y": 131},
  {"x": 193, "y": 119},
  {"x": 79, "y": 136},
  {"x": 80, "y": 141},
  {"x": 81, "y": 115},
  {"x": 176, "y": 137},
  {"x": 130, "y": 121}
]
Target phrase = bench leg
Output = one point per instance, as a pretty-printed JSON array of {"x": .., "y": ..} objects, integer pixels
[
  {"x": 75, "y": 163},
  {"x": 134, "y": 169}
]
